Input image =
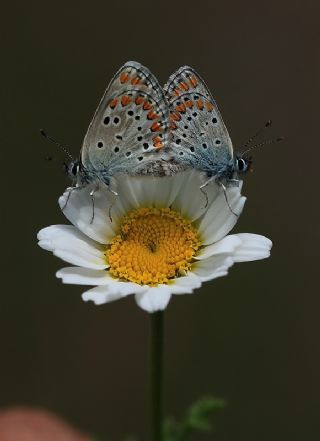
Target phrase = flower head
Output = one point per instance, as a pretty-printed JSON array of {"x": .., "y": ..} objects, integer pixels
[{"x": 157, "y": 238}]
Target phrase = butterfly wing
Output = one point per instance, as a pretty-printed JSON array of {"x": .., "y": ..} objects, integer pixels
[
  {"x": 130, "y": 125},
  {"x": 199, "y": 136}
]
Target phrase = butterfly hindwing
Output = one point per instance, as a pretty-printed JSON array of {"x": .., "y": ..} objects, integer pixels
[
  {"x": 199, "y": 136},
  {"x": 130, "y": 126}
]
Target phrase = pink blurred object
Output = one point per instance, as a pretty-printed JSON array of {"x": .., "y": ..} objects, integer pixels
[{"x": 28, "y": 424}]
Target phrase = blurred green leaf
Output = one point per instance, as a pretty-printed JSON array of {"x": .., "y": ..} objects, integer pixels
[{"x": 197, "y": 418}]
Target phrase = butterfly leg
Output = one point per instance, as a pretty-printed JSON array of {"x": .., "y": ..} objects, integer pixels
[
  {"x": 112, "y": 191},
  {"x": 224, "y": 188},
  {"x": 70, "y": 190},
  {"x": 111, "y": 205},
  {"x": 233, "y": 183},
  {"x": 92, "y": 192},
  {"x": 203, "y": 192}
]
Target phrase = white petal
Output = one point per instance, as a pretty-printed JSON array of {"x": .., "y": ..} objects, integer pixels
[
  {"x": 114, "y": 291},
  {"x": 253, "y": 247},
  {"x": 127, "y": 188},
  {"x": 213, "y": 267},
  {"x": 227, "y": 245},
  {"x": 85, "y": 276},
  {"x": 167, "y": 190},
  {"x": 185, "y": 285},
  {"x": 154, "y": 299},
  {"x": 66, "y": 242},
  {"x": 219, "y": 220},
  {"x": 190, "y": 200},
  {"x": 81, "y": 208},
  {"x": 100, "y": 295},
  {"x": 150, "y": 191}
]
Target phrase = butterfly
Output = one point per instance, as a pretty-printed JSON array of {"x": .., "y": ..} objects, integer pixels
[
  {"x": 199, "y": 138},
  {"x": 128, "y": 132}
]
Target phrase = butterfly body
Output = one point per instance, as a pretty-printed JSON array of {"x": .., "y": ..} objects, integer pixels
[{"x": 199, "y": 138}]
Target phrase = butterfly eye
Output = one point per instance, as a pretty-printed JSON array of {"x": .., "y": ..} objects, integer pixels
[
  {"x": 241, "y": 164},
  {"x": 74, "y": 169}
]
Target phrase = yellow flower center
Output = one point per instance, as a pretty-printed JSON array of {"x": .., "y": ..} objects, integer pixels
[{"x": 154, "y": 245}]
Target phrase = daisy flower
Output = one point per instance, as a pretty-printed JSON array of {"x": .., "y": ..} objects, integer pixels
[{"x": 157, "y": 238}]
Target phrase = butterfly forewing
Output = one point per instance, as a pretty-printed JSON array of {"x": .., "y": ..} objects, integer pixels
[
  {"x": 199, "y": 136},
  {"x": 130, "y": 126}
]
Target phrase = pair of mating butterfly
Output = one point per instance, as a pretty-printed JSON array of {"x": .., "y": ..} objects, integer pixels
[{"x": 140, "y": 128}]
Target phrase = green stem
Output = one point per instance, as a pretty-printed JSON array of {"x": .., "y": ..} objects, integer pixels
[{"x": 156, "y": 375}]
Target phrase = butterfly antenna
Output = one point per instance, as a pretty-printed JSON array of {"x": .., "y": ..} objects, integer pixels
[
  {"x": 267, "y": 124},
  {"x": 269, "y": 141},
  {"x": 65, "y": 150}
]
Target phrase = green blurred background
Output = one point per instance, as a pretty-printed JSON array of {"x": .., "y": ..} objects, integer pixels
[{"x": 253, "y": 337}]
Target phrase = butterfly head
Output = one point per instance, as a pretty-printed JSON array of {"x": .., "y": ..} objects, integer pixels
[
  {"x": 242, "y": 164},
  {"x": 73, "y": 169}
]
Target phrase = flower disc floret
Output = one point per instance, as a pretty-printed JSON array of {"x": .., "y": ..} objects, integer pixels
[{"x": 153, "y": 246}]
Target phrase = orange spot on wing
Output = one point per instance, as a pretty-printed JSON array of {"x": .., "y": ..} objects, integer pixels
[
  {"x": 209, "y": 106},
  {"x": 147, "y": 105},
  {"x": 125, "y": 100},
  {"x": 175, "y": 116},
  {"x": 124, "y": 76},
  {"x": 155, "y": 127},
  {"x": 173, "y": 126},
  {"x": 193, "y": 81},
  {"x": 181, "y": 108},
  {"x": 152, "y": 115},
  {"x": 139, "y": 100},
  {"x": 184, "y": 85},
  {"x": 113, "y": 103},
  {"x": 199, "y": 104},
  {"x": 135, "y": 80},
  {"x": 157, "y": 143},
  {"x": 189, "y": 103},
  {"x": 176, "y": 92}
]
